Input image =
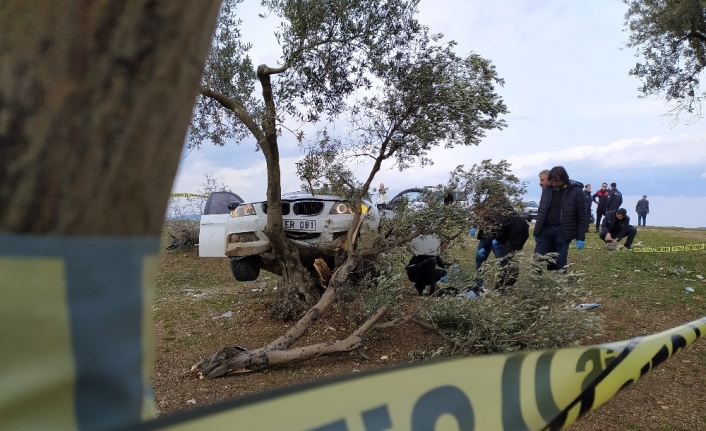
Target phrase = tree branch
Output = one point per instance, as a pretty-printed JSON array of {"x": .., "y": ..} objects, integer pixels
[
  {"x": 237, "y": 109},
  {"x": 697, "y": 35},
  {"x": 230, "y": 360}
]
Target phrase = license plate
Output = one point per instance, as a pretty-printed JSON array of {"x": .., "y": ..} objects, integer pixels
[{"x": 300, "y": 224}]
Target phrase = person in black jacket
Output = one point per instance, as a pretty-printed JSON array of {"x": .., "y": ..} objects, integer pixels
[
  {"x": 615, "y": 199},
  {"x": 561, "y": 217},
  {"x": 616, "y": 226},
  {"x": 589, "y": 202},
  {"x": 511, "y": 236},
  {"x": 422, "y": 271},
  {"x": 505, "y": 231},
  {"x": 601, "y": 199}
]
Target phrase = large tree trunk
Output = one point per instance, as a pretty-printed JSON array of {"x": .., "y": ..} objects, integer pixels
[
  {"x": 299, "y": 289},
  {"x": 95, "y": 98}
]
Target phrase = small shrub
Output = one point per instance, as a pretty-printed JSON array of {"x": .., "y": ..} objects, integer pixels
[
  {"x": 181, "y": 233},
  {"x": 539, "y": 312}
]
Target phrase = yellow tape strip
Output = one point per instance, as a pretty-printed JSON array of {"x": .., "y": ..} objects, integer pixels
[
  {"x": 186, "y": 195},
  {"x": 668, "y": 249},
  {"x": 524, "y": 391}
]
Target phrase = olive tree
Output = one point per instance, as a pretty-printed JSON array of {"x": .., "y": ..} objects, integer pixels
[
  {"x": 416, "y": 94},
  {"x": 670, "y": 38}
]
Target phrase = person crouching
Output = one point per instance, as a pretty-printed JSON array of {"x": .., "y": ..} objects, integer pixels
[
  {"x": 616, "y": 226},
  {"x": 422, "y": 271}
]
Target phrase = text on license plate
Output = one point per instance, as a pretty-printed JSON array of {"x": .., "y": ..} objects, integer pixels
[{"x": 300, "y": 224}]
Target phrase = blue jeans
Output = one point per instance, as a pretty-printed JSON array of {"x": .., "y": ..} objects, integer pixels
[
  {"x": 551, "y": 240},
  {"x": 484, "y": 246},
  {"x": 642, "y": 219}
]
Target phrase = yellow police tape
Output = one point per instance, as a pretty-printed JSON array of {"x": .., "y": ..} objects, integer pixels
[
  {"x": 668, "y": 249},
  {"x": 186, "y": 195},
  {"x": 539, "y": 390}
]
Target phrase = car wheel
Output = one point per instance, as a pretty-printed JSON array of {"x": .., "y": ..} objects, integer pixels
[{"x": 246, "y": 268}]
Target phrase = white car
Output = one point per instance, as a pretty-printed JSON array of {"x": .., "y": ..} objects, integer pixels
[
  {"x": 429, "y": 245},
  {"x": 318, "y": 224}
]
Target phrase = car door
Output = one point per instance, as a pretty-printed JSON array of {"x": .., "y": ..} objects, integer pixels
[{"x": 212, "y": 228}]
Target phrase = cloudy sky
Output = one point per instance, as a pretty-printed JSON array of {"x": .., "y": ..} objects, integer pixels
[{"x": 571, "y": 103}]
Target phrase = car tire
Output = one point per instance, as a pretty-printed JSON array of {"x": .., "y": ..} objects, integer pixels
[{"x": 246, "y": 268}]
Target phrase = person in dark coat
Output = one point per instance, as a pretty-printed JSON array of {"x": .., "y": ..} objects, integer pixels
[
  {"x": 511, "y": 236},
  {"x": 642, "y": 209},
  {"x": 422, "y": 271},
  {"x": 589, "y": 202},
  {"x": 601, "y": 200},
  {"x": 561, "y": 217},
  {"x": 616, "y": 226},
  {"x": 615, "y": 199},
  {"x": 504, "y": 231}
]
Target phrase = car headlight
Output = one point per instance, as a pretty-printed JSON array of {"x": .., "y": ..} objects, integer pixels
[
  {"x": 243, "y": 210},
  {"x": 346, "y": 208}
]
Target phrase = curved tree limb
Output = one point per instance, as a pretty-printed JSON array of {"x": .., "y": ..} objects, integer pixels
[
  {"x": 237, "y": 109},
  {"x": 230, "y": 360}
]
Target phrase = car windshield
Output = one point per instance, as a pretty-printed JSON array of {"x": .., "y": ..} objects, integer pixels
[
  {"x": 413, "y": 196},
  {"x": 531, "y": 204}
]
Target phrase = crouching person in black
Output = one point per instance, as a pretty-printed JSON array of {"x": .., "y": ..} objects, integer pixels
[
  {"x": 616, "y": 226},
  {"x": 422, "y": 271},
  {"x": 512, "y": 236}
]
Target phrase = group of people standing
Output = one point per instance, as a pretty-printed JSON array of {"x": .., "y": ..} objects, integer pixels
[
  {"x": 564, "y": 214},
  {"x": 608, "y": 201}
]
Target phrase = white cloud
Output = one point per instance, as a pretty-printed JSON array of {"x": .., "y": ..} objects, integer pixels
[{"x": 664, "y": 151}]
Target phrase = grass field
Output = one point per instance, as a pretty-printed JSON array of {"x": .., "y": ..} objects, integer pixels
[{"x": 199, "y": 308}]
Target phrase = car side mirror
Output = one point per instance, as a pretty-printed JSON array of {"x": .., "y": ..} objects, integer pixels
[{"x": 233, "y": 205}]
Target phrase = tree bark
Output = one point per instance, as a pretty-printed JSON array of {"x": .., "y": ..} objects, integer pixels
[
  {"x": 230, "y": 360},
  {"x": 95, "y": 99},
  {"x": 297, "y": 281}
]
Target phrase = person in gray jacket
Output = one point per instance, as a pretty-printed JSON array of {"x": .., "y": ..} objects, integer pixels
[
  {"x": 642, "y": 209},
  {"x": 561, "y": 217}
]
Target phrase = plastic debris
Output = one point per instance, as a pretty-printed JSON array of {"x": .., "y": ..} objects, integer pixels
[
  {"x": 689, "y": 289},
  {"x": 225, "y": 315},
  {"x": 588, "y": 305},
  {"x": 470, "y": 294}
]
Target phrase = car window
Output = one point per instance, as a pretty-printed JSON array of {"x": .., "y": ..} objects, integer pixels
[
  {"x": 532, "y": 204},
  {"x": 413, "y": 196},
  {"x": 410, "y": 195},
  {"x": 218, "y": 202}
]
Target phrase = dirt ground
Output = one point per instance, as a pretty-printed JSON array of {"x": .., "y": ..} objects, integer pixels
[{"x": 668, "y": 398}]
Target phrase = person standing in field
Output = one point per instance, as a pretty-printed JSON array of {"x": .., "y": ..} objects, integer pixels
[
  {"x": 642, "y": 209},
  {"x": 561, "y": 217},
  {"x": 615, "y": 199},
  {"x": 601, "y": 200},
  {"x": 589, "y": 202}
]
